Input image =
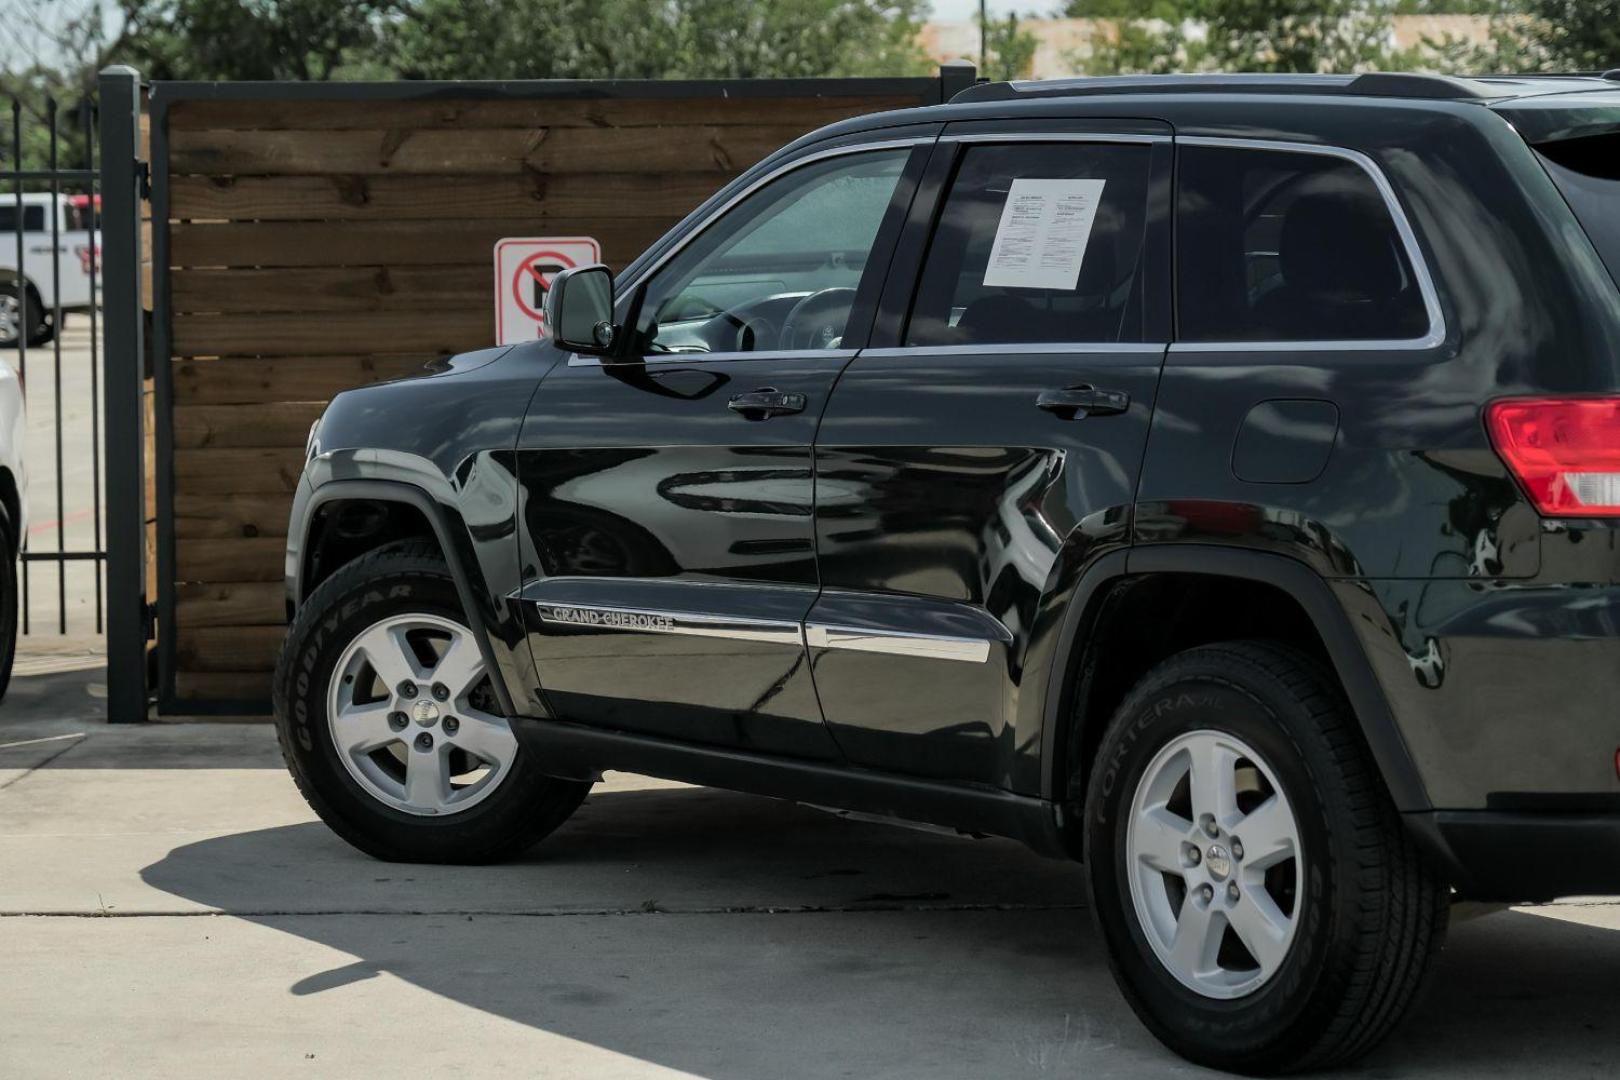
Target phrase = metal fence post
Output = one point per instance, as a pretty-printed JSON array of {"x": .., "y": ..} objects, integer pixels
[
  {"x": 123, "y": 379},
  {"x": 954, "y": 77}
]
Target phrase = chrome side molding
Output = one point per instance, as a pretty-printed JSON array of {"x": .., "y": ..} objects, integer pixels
[
  {"x": 897, "y": 643},
  {"x": 683, "y": 623}
]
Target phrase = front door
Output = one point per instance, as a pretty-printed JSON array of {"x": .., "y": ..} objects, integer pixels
[
  {"x": 668, "y": 550},
  {"x": 986, "y": 452}
]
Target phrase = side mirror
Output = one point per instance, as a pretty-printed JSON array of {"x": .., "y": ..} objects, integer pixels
[{"x": 579, "y": 309}]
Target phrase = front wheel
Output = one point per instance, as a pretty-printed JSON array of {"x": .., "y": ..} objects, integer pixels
[
  {"x": 1263, "y": 907},
  {"x": 388, "y": 721}
]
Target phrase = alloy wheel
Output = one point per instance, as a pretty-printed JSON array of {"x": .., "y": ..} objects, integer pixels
[
  {"x": 413, "y": 716},
  {"x": 1214, "y": 864}
]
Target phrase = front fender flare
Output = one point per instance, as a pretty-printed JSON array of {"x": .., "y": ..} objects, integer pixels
[{"x": 450, "y": 534}]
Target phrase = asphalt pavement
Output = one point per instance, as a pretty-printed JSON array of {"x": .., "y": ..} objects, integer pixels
[{"x": 169, "y": 907}]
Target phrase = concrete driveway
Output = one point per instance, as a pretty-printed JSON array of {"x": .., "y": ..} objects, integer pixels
[{"x": 169, "y": 907}]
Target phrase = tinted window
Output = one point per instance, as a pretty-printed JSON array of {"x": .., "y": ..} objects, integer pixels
[
  {"x": 1587, "y": 171},
  {"x": 33, "y": 218},
  {"x": 1089, "y": 292},
  {"x": 779, "y": 270},
  {"x": 1280, "y": 246}
]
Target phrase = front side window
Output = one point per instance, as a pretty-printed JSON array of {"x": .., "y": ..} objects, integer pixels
[
  {"x": 779, "y": 270},
  {"x": 1037, "y": 242},
  {"x": 1276, "y": 245}
]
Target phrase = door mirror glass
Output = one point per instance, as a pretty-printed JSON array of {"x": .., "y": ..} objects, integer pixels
[{"x": 579, "y": 309}]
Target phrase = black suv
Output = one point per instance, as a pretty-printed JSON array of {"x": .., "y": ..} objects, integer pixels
[{"x": 1215, "y": 479}]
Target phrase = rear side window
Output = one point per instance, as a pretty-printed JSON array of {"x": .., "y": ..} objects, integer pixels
[
  {"x": 1037, "y": 242},
  {"x": 1275, "y": 245},
  {"x": 33, "y": 218},
  {"x": 1587, "y": 171}
]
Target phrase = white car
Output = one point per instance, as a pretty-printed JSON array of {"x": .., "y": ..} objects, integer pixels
[
  {"x": 29, "y": 296},
  {"x": 13, "y": 513}
]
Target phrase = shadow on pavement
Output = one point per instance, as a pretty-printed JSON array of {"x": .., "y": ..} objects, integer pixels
[{"x": 644, "y": 927}]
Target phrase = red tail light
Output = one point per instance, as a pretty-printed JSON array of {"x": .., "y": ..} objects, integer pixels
[{"x": 1564, "y": 451}]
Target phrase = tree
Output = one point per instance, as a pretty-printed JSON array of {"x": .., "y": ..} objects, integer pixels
[
  {"x": 458, "y": 39},
  {"x": 1583, "y": 35},
  {"x": 254, "y": 39},
  {"x": 1009, "y": 49},
  {"x": 1250, "y": 35}
]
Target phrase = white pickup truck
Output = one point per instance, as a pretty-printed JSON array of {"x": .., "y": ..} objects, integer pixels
[{"x": 29, "y": 297}]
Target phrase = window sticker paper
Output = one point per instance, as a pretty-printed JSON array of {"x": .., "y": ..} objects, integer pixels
[{"x": 1045, "y": 226}]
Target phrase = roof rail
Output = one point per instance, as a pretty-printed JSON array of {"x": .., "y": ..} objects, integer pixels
[
  {"x": 1374, "y": 84},
  {"x": 1412, "y": 85}
]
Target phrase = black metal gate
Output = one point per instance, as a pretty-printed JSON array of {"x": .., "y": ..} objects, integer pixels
[{"x": 50, "y": 273}]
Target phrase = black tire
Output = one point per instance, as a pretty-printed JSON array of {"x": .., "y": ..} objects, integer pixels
[
  {"x": 1370, "y": 913},
  {"x": 8, "y": 604},
  {"x": 403, "y": 579}
]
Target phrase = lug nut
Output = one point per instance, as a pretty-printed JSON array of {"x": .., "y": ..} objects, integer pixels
[
  {"x": 1210, "y": 828},
  {"x": 407, "y": 689},
  {"x": 1237, "y": 849},
  {"x": 451, "y": 725},
  {"x": 398, "y": 720},
  {"x": 424, "y": 741},
  {"x": 1207, "y": 893},
  {"x": 1194, "y": 856},
  {"x": 440, "y": 691},
  {"x": 1232, "y": 891}
]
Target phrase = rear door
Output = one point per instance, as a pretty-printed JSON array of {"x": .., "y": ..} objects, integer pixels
[{"x": 985, "y": 448}]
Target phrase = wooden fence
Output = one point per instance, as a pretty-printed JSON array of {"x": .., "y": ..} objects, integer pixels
[{"x": 315, "y": 238}]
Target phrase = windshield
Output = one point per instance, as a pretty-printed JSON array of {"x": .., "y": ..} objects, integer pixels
[{"x": 1587, "y": 171}]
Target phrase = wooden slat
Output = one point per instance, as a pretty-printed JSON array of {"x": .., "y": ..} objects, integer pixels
[
  {"x": 241, "y": 559},
  {"x": 385, "y": 243},
  {"x": 241, "y": 603},
  {"x": 279, "y": 424},
  {"x": 223, "y": 517},
  {"x": 228, "y": 648},
  {"x": 360, "y": 332},
  {"x": 222, "y": 686},
  {"x": 334, "y": 288},
  {"x": 238, "y": 472},
  {"x": 460, "y": 152},
  {"x": 810, "y": 112},
  {"x": 537, "y": 198},
  {"x": 242, "y": 380}
]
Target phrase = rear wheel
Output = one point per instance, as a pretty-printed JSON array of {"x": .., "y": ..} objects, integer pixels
[
  {"x": 1263, "y": 906},
  {"x": 388, "y": 720}
]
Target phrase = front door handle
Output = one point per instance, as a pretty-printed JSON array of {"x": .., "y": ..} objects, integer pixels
[
  {"x": 1079, "y": 402},
  {"x": 765, "y": 403}
]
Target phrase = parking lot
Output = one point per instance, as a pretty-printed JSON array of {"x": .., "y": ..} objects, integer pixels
[{"x": 170, "y": 908}]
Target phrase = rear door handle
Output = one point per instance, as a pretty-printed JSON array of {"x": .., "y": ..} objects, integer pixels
[
  {"x": 766, "y": 402},
  {"x": 1079, "y": 402}
]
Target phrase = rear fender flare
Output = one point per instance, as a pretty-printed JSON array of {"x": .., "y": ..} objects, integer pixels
[{"x": 1299, "y": 581}]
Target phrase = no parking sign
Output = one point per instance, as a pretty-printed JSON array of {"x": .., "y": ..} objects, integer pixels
[{"x": 524, "y": 267}]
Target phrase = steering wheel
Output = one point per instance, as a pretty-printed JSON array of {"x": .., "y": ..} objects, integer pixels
[{"x": 817, "y": 321}]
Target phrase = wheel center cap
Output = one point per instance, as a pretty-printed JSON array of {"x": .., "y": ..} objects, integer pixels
[
  {"x": 1218, "y": 862},
  {"x": 424, "y": 712}
]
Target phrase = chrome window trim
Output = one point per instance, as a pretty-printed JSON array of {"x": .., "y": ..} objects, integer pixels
[
  {"x": 897, "y": 643},
  {"x": 680, "y": 623},
  {"x": 840, "y": 355},
  {"x": 1042, "y": 348},
  {"x": 1054, "y": 136},
  {"x": 1403, "y": 228}
]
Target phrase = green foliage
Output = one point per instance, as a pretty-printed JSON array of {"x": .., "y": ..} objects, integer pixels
[
  {"x": 1009, "y": 49},
  {"x": 1583, "y": 35},
  {"x": 253, "y": 39},
  {"x": 513, "y": 39}
]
